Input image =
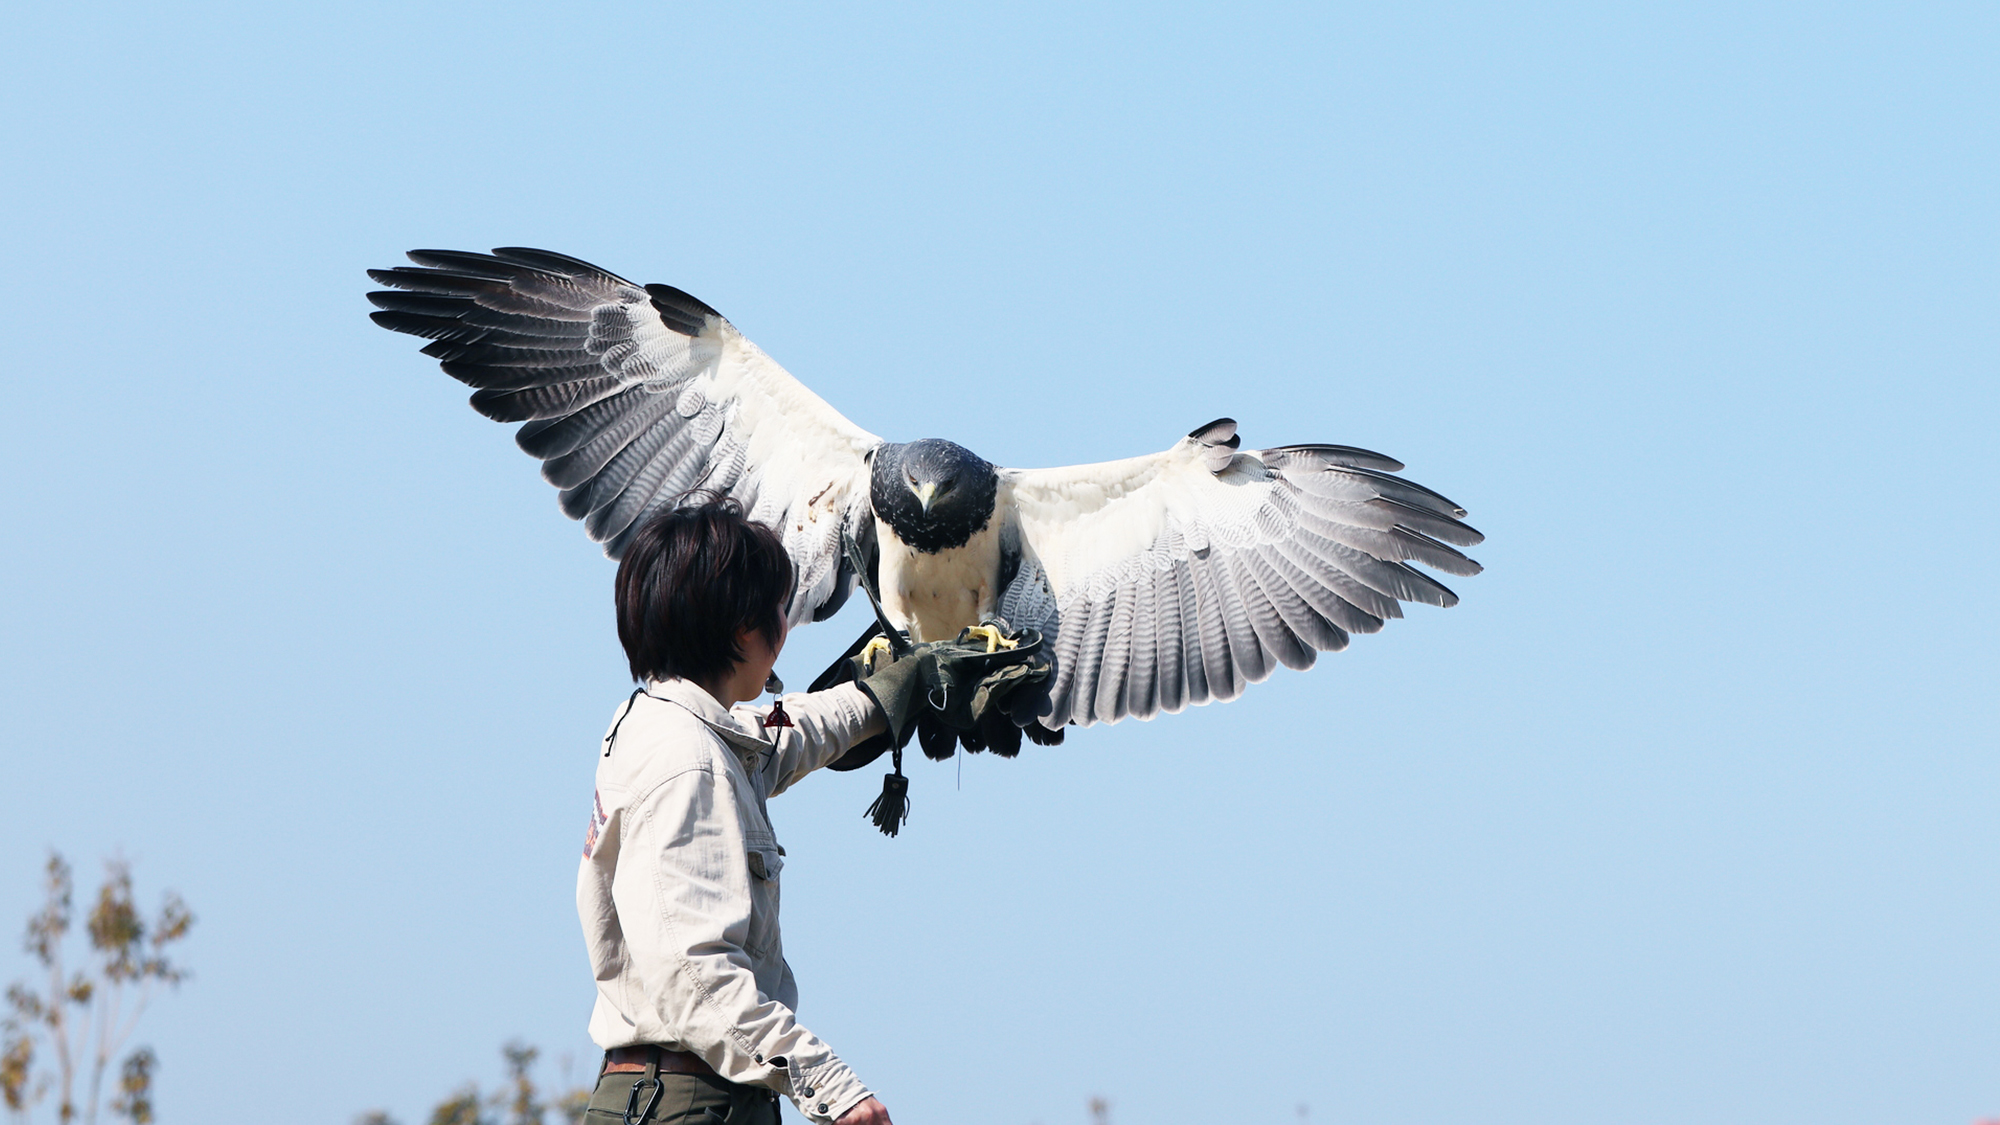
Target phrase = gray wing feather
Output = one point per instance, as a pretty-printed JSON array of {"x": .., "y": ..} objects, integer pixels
[
  {"x": 1143, "y": 631},
  {"x": 726, "y": 470},
  {"x": 1337, "y": 613},
  {"x": 526, "y": 404},
  {"x": 1169, "y": 676},
  {"x": 1274, "y": 633},
  {"x": 1117, "y": 661},
  {"x": 656, "y": 448},
  {"x": 1218, "y": 654},
  {"x": 1251, "y": 660},
  {"x": 1068, "y": 641},
  {"x": 664, "y": 464},
  {"x": 1089, "y": 661},
  {"x": 1194, "y": 666},
  {"x": 1367, "y": 604},
  {"x": 634, "y": 412},
  {"x": 554, "y": 438},
  {"x": 1314, "y": 633}
]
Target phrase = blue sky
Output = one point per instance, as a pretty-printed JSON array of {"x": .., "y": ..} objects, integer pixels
[{"x": 1686, "y": 813}]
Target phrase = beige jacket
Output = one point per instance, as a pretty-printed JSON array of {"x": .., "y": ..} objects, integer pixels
[{"x": 679, "y": 885}]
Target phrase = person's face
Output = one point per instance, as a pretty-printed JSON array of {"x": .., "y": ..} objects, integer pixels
[{"x": 759, "y": 657}]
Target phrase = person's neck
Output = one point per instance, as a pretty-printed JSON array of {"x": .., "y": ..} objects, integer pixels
[{"x": 725, "y": 690}]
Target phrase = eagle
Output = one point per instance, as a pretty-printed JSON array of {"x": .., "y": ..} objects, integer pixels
[{"x": 1158, "y": 582}]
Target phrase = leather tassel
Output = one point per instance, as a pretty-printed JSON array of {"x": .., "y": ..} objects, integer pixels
[{"x": 892, "y": 809}]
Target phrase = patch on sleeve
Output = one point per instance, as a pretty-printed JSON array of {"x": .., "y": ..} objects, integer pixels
[{"x": 597, "y": 822}]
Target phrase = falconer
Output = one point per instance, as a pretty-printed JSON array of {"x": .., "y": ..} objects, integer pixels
[{"x": 679, "y": 887}]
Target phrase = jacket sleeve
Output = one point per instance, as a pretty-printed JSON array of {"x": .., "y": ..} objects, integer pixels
[
  {"x": 684, "y": 895},
  {"x": 824, "y": 725}
]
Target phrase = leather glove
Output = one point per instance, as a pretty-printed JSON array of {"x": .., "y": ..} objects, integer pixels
[
  {"x": 959, "y": 682},
  {"x": 944, "y": 692},
  {"x": 897, "y": 687},
  {"x": 967, "y": 684}
]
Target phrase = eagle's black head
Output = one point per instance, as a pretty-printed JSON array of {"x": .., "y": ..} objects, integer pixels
[{"x": 932, "y": 493}]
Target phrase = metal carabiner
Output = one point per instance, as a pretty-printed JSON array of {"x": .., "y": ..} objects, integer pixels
[{"x": 632, "y": 1102}]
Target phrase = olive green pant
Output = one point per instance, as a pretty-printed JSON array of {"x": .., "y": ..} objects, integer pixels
[{"x": 685, "y": 1099}]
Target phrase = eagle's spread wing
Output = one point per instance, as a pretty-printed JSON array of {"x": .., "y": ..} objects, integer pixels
[
  {"x": 1173, "y": 579},
  {"x": 634, "y": 397}
]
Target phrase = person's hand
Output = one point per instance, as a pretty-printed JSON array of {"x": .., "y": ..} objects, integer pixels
[{"x": 870, "y": 1112}]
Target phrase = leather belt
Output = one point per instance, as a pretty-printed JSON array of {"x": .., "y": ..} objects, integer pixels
[{"x": 633, "y": 1059}]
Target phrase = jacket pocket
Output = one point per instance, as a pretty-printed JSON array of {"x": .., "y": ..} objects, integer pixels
[{"x": 766, "y": 861}]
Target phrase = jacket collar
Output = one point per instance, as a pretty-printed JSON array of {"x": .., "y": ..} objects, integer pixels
[{"x": 696, "y": 700}]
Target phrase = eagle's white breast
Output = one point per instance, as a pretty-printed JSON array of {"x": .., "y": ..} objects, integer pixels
[{"x": 934, "y": 596}]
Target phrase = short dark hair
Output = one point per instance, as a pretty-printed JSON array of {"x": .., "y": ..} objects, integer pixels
[{"x": 690, "y": 581}]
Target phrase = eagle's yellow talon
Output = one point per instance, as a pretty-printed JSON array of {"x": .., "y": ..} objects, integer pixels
[
  {"x": 877, "y": 647},
  {"x": 994, "y": 638}
]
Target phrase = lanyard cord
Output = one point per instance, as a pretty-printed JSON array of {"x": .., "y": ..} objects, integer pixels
[
  {"x": 778, "y": 718},
  {"x": 630, "y": 700}
]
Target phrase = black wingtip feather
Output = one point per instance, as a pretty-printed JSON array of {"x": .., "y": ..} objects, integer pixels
[
  {"x": 452, "y": 282},
  {"x": 418, "y": 324},
  {"x": 516, "y": 378},
  {"x": 679, "y": 310},
  {"x": 549, "y": 261},
  {"x": 432, "y": 304},
  {"x": 1348, "y": 455},
  {"x": 479, "y": 265},
  {"x": 1214, "y": 431},
  {"x": 1446, "y": 505}
]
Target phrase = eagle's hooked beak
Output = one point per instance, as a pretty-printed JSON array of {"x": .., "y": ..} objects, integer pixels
[{"x": 926, "y": 492}]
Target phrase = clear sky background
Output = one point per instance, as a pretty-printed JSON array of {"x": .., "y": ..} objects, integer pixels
[{"x": 1686, "y": 814}]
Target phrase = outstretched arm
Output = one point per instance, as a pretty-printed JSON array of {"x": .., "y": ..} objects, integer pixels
[{"x": 824, "y": 725}]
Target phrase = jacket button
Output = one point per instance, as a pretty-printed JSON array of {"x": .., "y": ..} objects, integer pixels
[
  {"x": 759, "y": 1058},
  {"x": 822, "y": 1109},
  {"x": 808, "y": 1091}
]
